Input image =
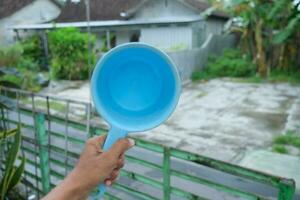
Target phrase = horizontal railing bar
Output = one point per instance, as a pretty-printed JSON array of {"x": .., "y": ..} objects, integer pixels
[
  {"x": 56, "y": 174},
  {"x": 52, "y": 133},
  {"x": 217, "y": 186},
  {"x": 44, "y": 96},
  {"x": 60, "y": 120},
  {"x": 148, "y": 145},
  {"x": 143, "y": 162},
  {"x": 110, "y": 196},
  {"x": 184, "y": 194},
  {"x": 31, "y": 186},
  {"x": 69, "y": 138},
  {"x": 23, "y": 125},
  {"x": 141, "y": 178},
  {"x": 133, "y": 192},
  {"x": 52, "y": 160},
  {"x": 227, "y": 167},
  {"x": 52, "y": 147}
]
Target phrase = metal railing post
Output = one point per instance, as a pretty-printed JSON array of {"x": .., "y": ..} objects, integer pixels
[
  {"x": 43, "y": 151},
  {"x": 286, "y": 189},
  {"x": 166, "y": 173}
]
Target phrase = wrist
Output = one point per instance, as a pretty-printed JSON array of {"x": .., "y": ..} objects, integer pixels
[{"x": 76, "y": 185}]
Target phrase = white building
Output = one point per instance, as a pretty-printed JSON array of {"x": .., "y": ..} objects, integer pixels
[{"x": 169, "y": 24}]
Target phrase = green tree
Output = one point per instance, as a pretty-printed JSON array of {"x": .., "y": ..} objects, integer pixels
[{"x": 270, "y": 31}]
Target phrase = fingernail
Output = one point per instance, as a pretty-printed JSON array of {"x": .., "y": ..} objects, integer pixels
[
  {"x": 131, "y": 142},
  {"x": 108, "y": 182}
]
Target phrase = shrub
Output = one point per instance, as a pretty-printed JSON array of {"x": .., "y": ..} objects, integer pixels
[
  {"x": 10, "y": 56},
  {"x": 232, "y": 63},
  {"x": 33, "y": 55},
  {"x": 69, "y": 54},
  {"x": 17, "y": 55},
  {"x": 290, "y": 138},
  {"x": 27, "y": 80},
  {"x": 292, "y": 77},
  {"x": 279, "y": 149}
]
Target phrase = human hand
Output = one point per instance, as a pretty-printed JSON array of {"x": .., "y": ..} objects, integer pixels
[{"x": 96, "y": 166}]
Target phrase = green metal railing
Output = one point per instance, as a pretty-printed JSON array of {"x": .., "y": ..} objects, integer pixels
[{"x": 51, "y": 147}]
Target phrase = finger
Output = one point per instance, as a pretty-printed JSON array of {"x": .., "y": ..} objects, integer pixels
[
  {"x": 120, "y": 163},
  {"x": 122, "y": 156},
  {"x": 113, "y": 177},
  {"x": 121, "y": 146},
  {"x": 97, "y": 140},
  {"x": 108, "y": 182}
]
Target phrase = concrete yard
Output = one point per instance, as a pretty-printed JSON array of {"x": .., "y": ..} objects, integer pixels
[{"x": 225, "y": 119}]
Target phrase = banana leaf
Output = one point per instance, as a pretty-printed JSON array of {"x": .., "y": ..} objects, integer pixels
[
  {"x": 17, "y": 175},
  {"x": 12, "y": 174}
]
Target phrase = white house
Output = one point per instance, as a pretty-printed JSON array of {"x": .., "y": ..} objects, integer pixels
[
  {"x": 17, "y": 12},
  {"x": 169, "y": 24}
]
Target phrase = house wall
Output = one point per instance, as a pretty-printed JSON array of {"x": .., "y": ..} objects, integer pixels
[
  {"x": 168, "y": 38},
  {"x": 38, "y": 12},
  {"x": 214, "y": 26},
  {"x": 195, "y": 59},
  {"x": 122, "y": 37}
]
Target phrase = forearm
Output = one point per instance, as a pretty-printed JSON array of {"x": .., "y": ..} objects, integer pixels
[{"x": 69, "y": 188}]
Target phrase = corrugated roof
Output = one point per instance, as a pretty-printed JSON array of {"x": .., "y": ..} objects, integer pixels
[
  {"x": 203, "y": 5},
  {"x": 100, "y": 10},
  {"x": 105, "y": 24},
  {"x": 9, "y": 7}
]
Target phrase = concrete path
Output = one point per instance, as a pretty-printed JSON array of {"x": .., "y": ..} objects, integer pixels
[
  {"x": 224, "y": 119},
  {"x": 281, "y": 165}
]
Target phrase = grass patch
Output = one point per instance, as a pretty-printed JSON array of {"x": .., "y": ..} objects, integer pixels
[
  {"x": 253, "y": 79},
  {"x": 283, "y": 76},
  {"x": 201, "y": 94},
  {"x": 289, "y": 139},
  {"x": 232, "y": 63},
  {"x": 200, "y": 75},
  {"x": 279, "y": 149}
]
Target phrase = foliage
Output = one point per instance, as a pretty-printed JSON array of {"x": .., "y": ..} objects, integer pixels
[
  {"x": 291, "y": 138},
  {"x": 279, "y": 149},
  {"x": 23, "y": 57},
  {"x": 12, "y": 174},
  {"x": 69, "y": 54},
  {"x": 27, "y": 80},
  {"x": 270, "y": 31},
  {"x": 231, "y": 64},
  {"x": 32, "y": 53},
  {"x": 10, "y": 56},
  {"x": 200, "y": 75},
  {"x": 292, "y": 77}
]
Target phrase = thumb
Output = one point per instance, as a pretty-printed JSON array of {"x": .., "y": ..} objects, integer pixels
[{"x": 121, "y": 146}]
